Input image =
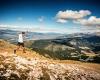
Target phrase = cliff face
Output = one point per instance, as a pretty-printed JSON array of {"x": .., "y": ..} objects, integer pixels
[{"x": 27, "y": 66}]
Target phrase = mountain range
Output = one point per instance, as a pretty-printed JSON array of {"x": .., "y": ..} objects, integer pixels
[{"x": 77, "y": 46}]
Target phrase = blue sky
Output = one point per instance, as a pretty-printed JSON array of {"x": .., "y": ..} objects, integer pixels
[{"x": 44, "y": 16}]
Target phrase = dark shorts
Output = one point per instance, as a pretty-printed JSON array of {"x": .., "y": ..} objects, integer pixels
[{"x": 20, "y": 44}]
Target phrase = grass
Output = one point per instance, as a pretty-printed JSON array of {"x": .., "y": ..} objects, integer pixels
[{"x": 7, "y": 47}]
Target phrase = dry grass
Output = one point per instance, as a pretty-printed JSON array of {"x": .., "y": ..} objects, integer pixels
[
  {"x": 9, "y": 48},
  {"x": 92, "y": 66}
]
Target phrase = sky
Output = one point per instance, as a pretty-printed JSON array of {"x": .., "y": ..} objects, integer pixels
[{"x": 61, "y": 16}]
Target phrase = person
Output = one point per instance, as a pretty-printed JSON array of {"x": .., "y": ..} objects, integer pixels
[{"x": 20, "y": 42}]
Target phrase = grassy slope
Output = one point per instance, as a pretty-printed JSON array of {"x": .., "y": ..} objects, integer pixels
[
  {"x": 70, "y": 65},
  {"x": 7, "y": 47}
]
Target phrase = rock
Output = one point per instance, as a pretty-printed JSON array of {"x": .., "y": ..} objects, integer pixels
[{"x": 19, "y": 68}]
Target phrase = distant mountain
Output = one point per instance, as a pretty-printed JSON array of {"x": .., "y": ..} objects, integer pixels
[
  {"x": 58, "y": 46},
  {"x": 38, "y": 36},
  {"x": 76, "y": 35},
  {"x": 88, "y": 40},
  {"x": 11, "y": 35},
  {"x": 8, "y": 35},
  {"x": 68, "y": 47}
]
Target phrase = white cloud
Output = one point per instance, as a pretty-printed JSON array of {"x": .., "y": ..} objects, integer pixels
[
  {"x": 8, "y": 26},
  {"x": 41, "y": 19},
  {"x": 73, "y": 15},
  {"x": 78, "y": 17},
  {"x": 61, "y": 20},
  {"x": 91, "y": 21}
]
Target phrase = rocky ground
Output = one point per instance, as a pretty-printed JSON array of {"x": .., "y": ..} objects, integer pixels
[
  {"x": 24, "y": 67},
  {"x": 14, "y": 67}
]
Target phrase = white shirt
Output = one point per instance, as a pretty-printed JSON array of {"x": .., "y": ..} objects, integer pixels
[{"x": 20, "y": 38}]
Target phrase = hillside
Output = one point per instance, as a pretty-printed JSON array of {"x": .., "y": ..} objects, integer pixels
[
  {"x": 32, "y": 66},
  {"x": 82, "y": 49}
]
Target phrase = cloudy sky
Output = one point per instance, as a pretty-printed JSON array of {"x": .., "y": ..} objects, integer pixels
[{"x": 64, "y": 16}]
